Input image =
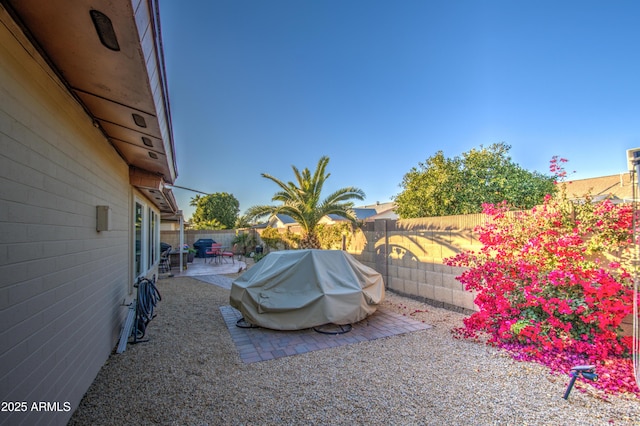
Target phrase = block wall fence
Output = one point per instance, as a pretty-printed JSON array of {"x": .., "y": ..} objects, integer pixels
[
  {"x": 408, "y": 253},
  {"x": 410, "y": 256}
]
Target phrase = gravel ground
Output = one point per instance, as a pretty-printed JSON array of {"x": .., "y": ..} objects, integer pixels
[{"x": 189, "y": 373}]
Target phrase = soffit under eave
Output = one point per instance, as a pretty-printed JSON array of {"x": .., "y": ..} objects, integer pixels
[
  {"x": 153, "y": 187},
  {"x": 124, "y": 90}
]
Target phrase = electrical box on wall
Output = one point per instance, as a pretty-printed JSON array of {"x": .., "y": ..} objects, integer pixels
[{"x": 103, "y": 218}]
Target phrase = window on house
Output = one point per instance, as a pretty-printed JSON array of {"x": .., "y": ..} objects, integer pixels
[
  {"x": 138, "y": 239},
  {"x": 146, "y": 238},
  {"x": 153, "y": 238}
]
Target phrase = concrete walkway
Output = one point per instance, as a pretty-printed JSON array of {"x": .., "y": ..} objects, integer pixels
[{"x": 202, "y": 267}]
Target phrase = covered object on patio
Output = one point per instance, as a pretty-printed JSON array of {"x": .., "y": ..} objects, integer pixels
[{"x": 298, "y": 289}]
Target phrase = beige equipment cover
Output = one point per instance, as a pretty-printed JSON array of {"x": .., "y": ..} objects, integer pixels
[{"x": 298, "y": 289}]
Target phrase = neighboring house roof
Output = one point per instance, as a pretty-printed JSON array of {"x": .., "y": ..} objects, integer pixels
[
  {"x": 122, "y": 84},
  {"x": 363, "y": 213},
  {"x": 384, "y": 214},
  {"x": 283, "y": 220},
  {"x": 380, "y": 207},
  {"x": 280, "y": 221},
  {"x": 383, "y": 211},
  {"x": 615, "y": 187},
  {"x": 360, "y": 214}
]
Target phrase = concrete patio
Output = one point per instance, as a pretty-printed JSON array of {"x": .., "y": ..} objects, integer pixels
[
  {"x": 207, "y": 266},
  {"x": 260, "y": 344}
]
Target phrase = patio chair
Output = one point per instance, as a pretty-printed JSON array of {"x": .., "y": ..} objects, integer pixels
[
  {"x": 224, "y": 254},
  {"x": 214, "y": 252},
  {"x": 165, "y": 261}
]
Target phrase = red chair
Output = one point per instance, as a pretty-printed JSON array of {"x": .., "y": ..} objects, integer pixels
[
  {"x": 224, "y": 254},
  {"x": 214, "y": 251}
]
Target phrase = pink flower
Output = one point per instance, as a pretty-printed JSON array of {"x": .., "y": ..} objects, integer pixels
[{"x": 543, "y": 291}]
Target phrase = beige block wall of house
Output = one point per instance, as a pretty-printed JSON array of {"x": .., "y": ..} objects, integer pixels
[{"x": 61, "y": 281}]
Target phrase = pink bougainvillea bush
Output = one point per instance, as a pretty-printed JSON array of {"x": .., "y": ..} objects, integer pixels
[{"x": 553, "y": 285}]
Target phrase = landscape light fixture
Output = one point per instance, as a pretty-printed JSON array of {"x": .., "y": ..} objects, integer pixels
[{"x": 586, "y": 371}]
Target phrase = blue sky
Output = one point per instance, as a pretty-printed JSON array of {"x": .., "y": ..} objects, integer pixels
[{"x": 380, "y": 86}]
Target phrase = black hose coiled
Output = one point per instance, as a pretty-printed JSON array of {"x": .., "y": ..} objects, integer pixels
[{"x": 148, "y": 298}]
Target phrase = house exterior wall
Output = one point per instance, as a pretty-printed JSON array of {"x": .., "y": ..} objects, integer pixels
[{"x": 62, "y": 283}]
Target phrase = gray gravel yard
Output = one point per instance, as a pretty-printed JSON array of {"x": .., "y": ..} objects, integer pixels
[{"x": 190, "y": 373}]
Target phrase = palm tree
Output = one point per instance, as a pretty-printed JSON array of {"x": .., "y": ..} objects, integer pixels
[{"x": 301, "y": 201}]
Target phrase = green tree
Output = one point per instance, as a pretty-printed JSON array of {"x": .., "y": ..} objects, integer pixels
[
  {"x": 243, "y": 221},
  {"x": 301, "y": 200},
  {"x": 215, "y": 211},
  {"x": 244, "y": 240},
  {"x": 461, "y": 185},
  {"x": 271, "y": 238},
  {"x": 331, "y": 236}
]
